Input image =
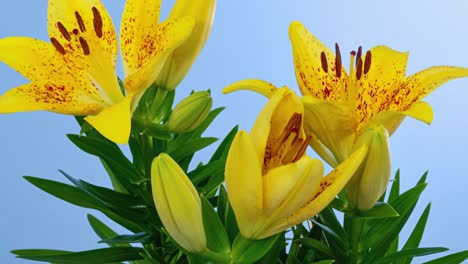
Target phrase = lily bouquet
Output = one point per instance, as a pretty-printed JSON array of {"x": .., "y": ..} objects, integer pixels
[{"x": 260, "y": 197}]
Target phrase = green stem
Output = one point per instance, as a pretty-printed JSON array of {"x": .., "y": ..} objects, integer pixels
[{"x": 355, "y": 227}]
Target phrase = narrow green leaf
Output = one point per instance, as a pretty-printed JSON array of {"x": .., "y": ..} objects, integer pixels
[
  {"x": 418, "y": 231},
  {"x": 380, "y": 210},
  {"x": 317, "y": 245},
  {"x": 226, "y": 214},
  {"x": 217, "y": 238},
  {"x": 95, "y": 256},
  {"x": 103, "y": 231},
  {"x": 249, "y": 251},
  {"x": 331, "y": 261},
  {"x": 395, "y": 190},
  {"x": 455, "y": 258},
  {"x": 204, "y": 172},
  {"x": 223, "y": 149},
  {"x": 141, "y": 237},
  {"x": 178, "y": 152},
  {"x": 403, "y": 254},
  {"x": 326, "y": 229}
]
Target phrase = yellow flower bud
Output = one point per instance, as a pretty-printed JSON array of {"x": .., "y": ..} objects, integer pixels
[
  {"x": 190, "y": 112},
  {"x": 178, "y": 204},
  {"x": 370, "y": 182},
  {"x": 181, "y": 60}
]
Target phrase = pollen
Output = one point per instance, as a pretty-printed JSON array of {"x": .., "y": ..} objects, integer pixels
[
  {"x": 97, "y": 22},
  {"x": 84, "y": 46},
  {"x": 367, "y": 62},
  {"x": 359, "y": 68},
  {"x": 58, "y": 46},
  {"x": 80, "y": 21},
  {"x": 64, "y": 31}
]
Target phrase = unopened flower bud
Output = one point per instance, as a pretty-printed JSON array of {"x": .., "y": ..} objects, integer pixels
[
  {"x": 178, "y": 204},
  {"x": 370, "y": 182},
  {"x": 190, "y": 112}
]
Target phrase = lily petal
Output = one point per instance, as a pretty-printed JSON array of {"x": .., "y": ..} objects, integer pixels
[
  {"x": 244, "y": 183},
  {"x": 180, "y": 62},
  {"x": 114, "y": 122},
  {"x": 330, "y": 186},
  {"x": 57, "y": 85},
  {"x": 382, "y": 71},
  {"x": 421, "y": 84},
  {"x": 262, "y": 87},
  {"x": 313, "y": 78},
  {"x": 333, "y": 124},
  {"x": 84, "y": 33},
  {"x": 145, "y": 44}
]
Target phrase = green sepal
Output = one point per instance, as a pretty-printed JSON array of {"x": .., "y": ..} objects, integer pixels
[
  {"x": 95, "y": 256},
  {"x": 455, "y": 258},
  {"x": 399, "y": 256},
  {"x": 216, "y": 236},
  {"x": 249, "y": 251},
  {"x": 380, "y": 210}
]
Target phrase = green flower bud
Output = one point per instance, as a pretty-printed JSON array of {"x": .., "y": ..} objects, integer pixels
[
  {"x": 371, "y": 180},
  {"x": 190, "y": 112}
]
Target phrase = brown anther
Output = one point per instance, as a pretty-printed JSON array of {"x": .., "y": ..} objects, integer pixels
[
  {"x": 359, "y": 68},
  {"x": 291, "y": 127},
  {"x": 302, "y": 149},
  {"x": 359, "y": 54},
  {"x": 57, "y": 46},
  {"x": 367, "y": 62},
  {"x": 337, "y": 60},
  {"x": 323, "y": 58},
  {"x": 64, "y": 31},
  {"x": 84, "y": 46},
  {"x": 97, "y": 22},
  {"x": 80, "y": 21}
]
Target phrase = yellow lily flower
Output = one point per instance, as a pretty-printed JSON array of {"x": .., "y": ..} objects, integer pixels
[
  {"x": 340, "y": 106},
  {"x": 181, "y": 60},
  {"x": 271, "y": 184},
  {"x": 75, "y": 73},
  {"x": 178, "y": 204}
]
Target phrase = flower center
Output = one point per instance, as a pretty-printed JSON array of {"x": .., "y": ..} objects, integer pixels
[{"x": 288, "y": 147}]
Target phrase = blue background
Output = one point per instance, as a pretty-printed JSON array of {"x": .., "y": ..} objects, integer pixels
[{"x": 249, "y": 40}]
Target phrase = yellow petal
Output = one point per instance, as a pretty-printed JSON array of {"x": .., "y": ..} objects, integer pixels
[
  {"x": 244, "y": 183},
  {"x": 333, "y": 124},
  {"x": 273, "y": 118},
  {"x": 177, "y": 203},
  {"x": 114, "y": 122},
  {"x": 391, "y": 120},
  {"x": 180, "y": 62},
  {"x": 314, "y": 79},
  {"x": 371, "y": 180},
  {"x": 421, "y": 84},
  {"x": 330, "y": 186},
  {"x": 82, "y": 32},
  {"x": 322, "y": 150},
  {"x": 57, "y": 85},
  {"x": 145, "y": 44},
  {"x": 262, "y": 87},
  {"x": 383, "y": 70}
]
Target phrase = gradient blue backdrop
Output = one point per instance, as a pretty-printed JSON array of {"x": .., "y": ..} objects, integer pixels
[{"x": 249, "y": 40}]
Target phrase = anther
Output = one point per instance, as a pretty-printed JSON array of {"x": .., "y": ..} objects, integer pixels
[
  {"x": 97, "y": 22},
  {"x": 302, "y": 149},
  {"x": 85, "y": 46},
  {"x": 323, "y": 58},
  {"x": 80, "y": 21},
  {"x": 291, "y": 127},
  {"x": 64, "y": 31},
  {"x": 359, "y": 68},
  {"x": 367, "y": 62},
  {"x": 57, "y": 46},
  {"x": 337, "y": 60},
  {"x": 359, "y": 54}
]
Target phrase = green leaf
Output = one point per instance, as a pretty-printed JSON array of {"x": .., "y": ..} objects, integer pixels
[
  {"x": 204, "y": 172},
  {"x": 325, "y": 262},
  {"x": 455, "y": 258},
  {"x": 223, "y": 149},
  {"x": 418, "y": 231},
  {"x": 103, "y": 231},
  {"x": 317, "y": 245},
  {"x": 141, "y": 237},
  {"x": 226, "y": 214},
  {"x": 217, "y": 238},
  {"x": 395, "y": 190},
  {"x": 248, "y": 251},
  {"x": 178, "y": 152},
  {"x": 273, "y": 256},
  {"x": 95, "y": 256},
  {"x": 380, "y": 210},
  {"x": 403, "y": 254}
]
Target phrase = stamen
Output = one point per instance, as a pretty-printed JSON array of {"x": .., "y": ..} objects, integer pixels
[
  {"x": 367, "y": 62},
  {"x": 85, "y": 46},
  {"x": 302, "y": 149},
  {"x": 359, "y": 54},
  {"x": 80, "y": 21},
  {"x": 64, "y": 31},
  {"x": 57, "y": 46},
  {"x": 97, "y": 22},
  {"x": 359, "y": 68},
  {"x": 292, "y": 126},
  {"x": 337, "y": 60},
  {"x": 323, "y": 58}
]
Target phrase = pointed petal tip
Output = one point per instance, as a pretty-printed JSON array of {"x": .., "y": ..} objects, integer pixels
[
  {"x": 262, "y": 87},
  {"x": 294, "y": 27}
]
